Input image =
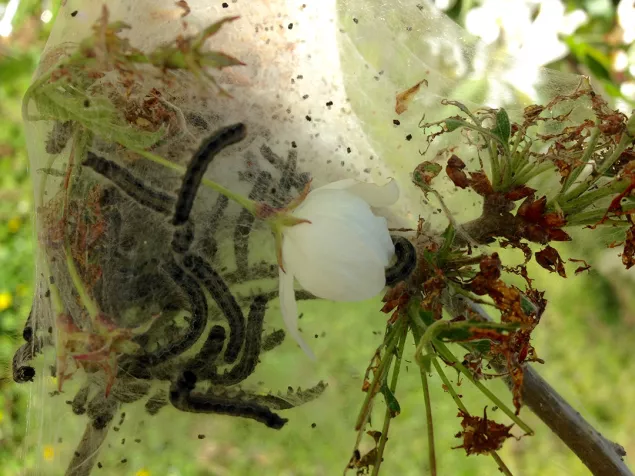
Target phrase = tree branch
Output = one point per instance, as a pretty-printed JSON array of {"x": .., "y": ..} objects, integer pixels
[{"x": 600, "y": 455}]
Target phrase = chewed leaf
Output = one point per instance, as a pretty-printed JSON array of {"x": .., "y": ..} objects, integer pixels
[
  {"x": 427, "y": 317},
  {"x": 481, "y": 435},
  {"x": 404, "y": 98},
  {"x": 452, "y": 124},
  {"x": 96, "y": 114},
  {"x": 219, "y": 60},
  {"x": 213, "y": 29},
  {"x": 424, "y": 173}
]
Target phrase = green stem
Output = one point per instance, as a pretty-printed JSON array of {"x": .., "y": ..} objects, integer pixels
[
  {"x": 532, "y": 172},
  {"x": 624, "y": 142},
  {"x": 86, "y": 300},
  {"x": 460, "y": 404},
  {"x": 393, "y": 386},
  {"x": 593, "y": 217},
  {"x": 520, "y": 163},
  {"x": 507, "y": 176},
  {"x": 583, "y": 160},
  {"x": 433, "y": 330},
  {"x": 457, "y": 227},
  {"x": 448, "y": 385},
  {"x": 426, "y": 396},
  {"x": 446, "y": 247},
  {"x": 462, "y": 107},
  {"x": 519, "y": 136},
  {"x": 501, "y": 465},
  {"x": 416, "y": 334},
  {"x": 246, "y": 203},
  {"x": 493, "y": 155},
  {"x": 449, "y": 356},
  {"x": 485, "y": 132},
  {"x": 581, "y": 203},
  {"x": 80, "y": 143},
  {"x": 390, "y": 343}
]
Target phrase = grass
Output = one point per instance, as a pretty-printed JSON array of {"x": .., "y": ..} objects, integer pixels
[{"x": 584, "y": 338}]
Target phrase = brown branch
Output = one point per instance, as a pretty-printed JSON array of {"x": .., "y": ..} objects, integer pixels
[{"x": 599, "y": 455}]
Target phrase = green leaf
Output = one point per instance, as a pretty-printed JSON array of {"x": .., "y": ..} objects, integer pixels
[
  {"x": 219, "y": 60},
  {"x": 453, "y": 124},
  {"x": 482, "y": 346},
  {"x": 527, "y": 305},
  {"x": 464, "y": 332},
  {"x": 96, "y": 114},
  {"x": 391, "y": 400},
  {"x": 503, "y": 127},
  {"x": 212, "y": 30},
  {"x": 598, "y": 69},
  {"x": 612, "y": 90},
  {"x": 424, "y": 173},
  {"x": 448, "y": 240},
  {"x": 426, "y": 361},
  {"x": 454, "y": 335},
  {"x": 15, "y": 66},
  {"x": 427, "y": 317}
]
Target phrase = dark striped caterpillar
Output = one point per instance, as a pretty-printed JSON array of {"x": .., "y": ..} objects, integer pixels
[
  {"x": 406, "y": 255},
  {"x": 129, "y": 184},
  {"x": 198, "y": 166}
]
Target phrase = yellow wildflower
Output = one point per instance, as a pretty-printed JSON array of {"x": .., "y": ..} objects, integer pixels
[
  {"x": 49, "y": 453},
  {"x": 142, "y": 472},
  {"x": 6, "y": 300},
  {"x": 1, "y": 416},
  {"x": 14, "y": 224}
]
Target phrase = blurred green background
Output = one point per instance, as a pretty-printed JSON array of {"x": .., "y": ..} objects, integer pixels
[{"x": 585, "y": 338}]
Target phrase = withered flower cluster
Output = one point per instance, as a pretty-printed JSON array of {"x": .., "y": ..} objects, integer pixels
[{"x": 575, "y": 137}]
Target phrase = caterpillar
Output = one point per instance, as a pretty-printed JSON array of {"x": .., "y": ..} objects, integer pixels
[
  {"x": 133, "y": 187},
  {"x": 182, "y": 398},
  {"x": 198, "y": 166},
  {"x": 225, "y": 301},
  {"x": 251, "y": 351},
  {"x": 406, "y": 261}
]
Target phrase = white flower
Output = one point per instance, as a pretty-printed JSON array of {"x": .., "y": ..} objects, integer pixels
[{"x": 341, "y": 255}]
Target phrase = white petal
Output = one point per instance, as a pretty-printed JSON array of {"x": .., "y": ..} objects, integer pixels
[
  {"x": 337, "y": 272},
  {"x": 342, "y": 254},
  {"x": 373, "y": 194},
  {"x": 340, "y": 209},
  {"x": 289, "y": 309}
]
